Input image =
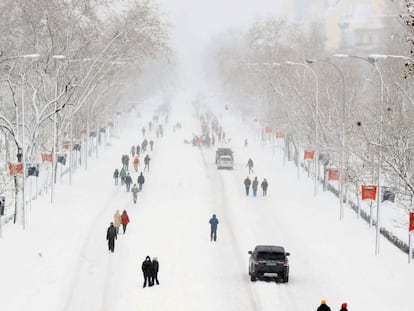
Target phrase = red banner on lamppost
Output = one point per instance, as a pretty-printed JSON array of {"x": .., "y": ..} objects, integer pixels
[
  {"x": 47, "y": 157},
  {"x": 83, "y": 131},
  {"x": 268, "y": 129},
  {"x": 15, "y": 168},
  {"x": 280, "y": 135},
  {"x": 369, "y": 192},
  {"x": 333, "y": 174},
  {"x": 411, "y": 226},
  {"x": 309, "y": 154}
]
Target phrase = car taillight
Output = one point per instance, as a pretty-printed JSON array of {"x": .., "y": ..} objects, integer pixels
[{"x": 286, "y": 263}]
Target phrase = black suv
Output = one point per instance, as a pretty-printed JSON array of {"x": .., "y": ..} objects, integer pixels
[
  {"x": 269, "y": 260},
  {"x": 223, "y": 151}
]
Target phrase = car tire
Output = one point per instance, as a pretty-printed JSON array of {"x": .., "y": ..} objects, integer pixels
[
  {"x": 285, "y": 277},
  {"x": 252, "y": 278}
]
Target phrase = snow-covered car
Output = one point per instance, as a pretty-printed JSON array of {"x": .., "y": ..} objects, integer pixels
[
  {"x": 269, "y": 260},
  {"x": 223, "y": 152},
  {"x": 225, "y": 162}
]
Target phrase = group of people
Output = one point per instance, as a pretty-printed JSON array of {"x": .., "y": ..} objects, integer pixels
[
  {"x": 255, "y": 184},
  {"x": 325, "y": 307},
  {"x": 150, "y": 270}
]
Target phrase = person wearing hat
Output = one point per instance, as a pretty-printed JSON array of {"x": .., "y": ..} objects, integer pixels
[
  {"x": 147, "y": 270},
  {"x": 323, "y": 306},
  {"x": 111, "y": 236},
  {"x": 344, "y": 307}
]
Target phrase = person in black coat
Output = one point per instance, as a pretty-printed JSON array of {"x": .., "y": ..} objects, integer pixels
[
  {"x": 116, "y": 176},
  {"x": 323, "y": 306},
  {"x": 147, "y": 160},
  {"x": 128, "y": 182},
  {"x": 147, "y": 270},
  {"x": 155, "y": 268},
  {"x": 247, "y": 183},
  {"x": 141, "y": 181},
  {"x": 111, "y": 236},
  {"x": 264, "y": 186}
]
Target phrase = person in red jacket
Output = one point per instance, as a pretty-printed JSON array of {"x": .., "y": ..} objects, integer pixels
[
  {"x": 124, "y": 220},
  {"x": 344, "y": 307}
]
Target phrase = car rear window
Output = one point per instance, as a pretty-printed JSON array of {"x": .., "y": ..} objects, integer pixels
[{"x": 270, "y": 256}]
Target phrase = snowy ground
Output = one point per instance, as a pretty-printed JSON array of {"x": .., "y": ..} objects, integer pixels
[{"x": 61, "y": 262}]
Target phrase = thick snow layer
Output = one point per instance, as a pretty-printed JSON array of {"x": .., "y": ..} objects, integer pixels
[{"x": 61, "y": 262}]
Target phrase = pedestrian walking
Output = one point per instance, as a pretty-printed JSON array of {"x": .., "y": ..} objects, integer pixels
[
  {"x": 143, "y": 131},
  {"x": 116, "y": 176},
  {"x": 135, "y": 162},
  {"x": 132, "y": 151},
  {"x": 151, "y": 144},
  {"x": 264, "y": 185},
  {"x": 124, "y": 221},
  {"x": 117, "y": 221},
  {"x": 138, "y": 149},
  {"x": 250, "y": 165},
  {"x": 141, "y": 181},
  {"x": 255, "y": 184},
  {"x": 123, "y": 175},
  {"x": 147, "y": 160},
  {"x": 247, "y": 183},
  {"x": 344, "y": 307},
  {"x": 135, "y": 191},
  {"x": 213, "y": 227},
  {"x": 155, "y": 269},
  {"x": 245, "y": 142},
  {"x": 323, "y": 306},
  {"x": 147, "y": 270},
  {"x": 111, "y": 236},
  {"x": 128, "y": 182}
]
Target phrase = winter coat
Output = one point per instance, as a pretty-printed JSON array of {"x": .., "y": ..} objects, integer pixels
[
  {"x": 117, "y": 219},
  {"x": 323, "y": 307},
  {"x": 128, "y": 179},
  {"x": 141, "y": 179},
  {"x": 264, "y": 184},
  {"x": 255, "y": 184},
  {"x": 213, "y": 223},
  {"x": 147, "y": 159},
  {"x": 111, "y": 233},
  {"x": 124, "y": 218},
  {"x": 122, "y": 173},
  {"x": 116, "y": 173},
  {"x": 136, "y": 160},
  {"x": 134, "y": 189},
  {"x": 247, "y": 182},
  {"x": 147, "y": 266},
  {"x": 343, "y": 309},
  {"x": 250, "y": 163},
  {"x": 155, "y": 265}
]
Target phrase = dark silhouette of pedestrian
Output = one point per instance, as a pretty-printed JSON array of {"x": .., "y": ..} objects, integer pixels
[
  {"x": 116, "y": 176},
  {"x": 151, "y": 144},
  {"x": 147, "y": 160},
  {"x": 250, "y": 165},
  {"x": 344, "y": 307},
  {"x": 128, "y": 182},
  {"x": 255, "y": 184},
  {"x": 124, "y": 220},
  {"x": 134, "y": 191},
  {"x": 155, "y": 269},
  {"x": 141, "y": 181},
  {"x": 213, "y": 227},
  {"x": 264, "y": 185},
  {"x": 247, "y": 183},
  {"x": 138, "y": 149},
  {"x": 147, "y": 270},
  {"x": 323, "y": 306},
  {"x": 111, "y": 236}
]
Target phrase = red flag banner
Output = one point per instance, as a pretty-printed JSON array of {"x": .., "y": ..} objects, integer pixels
[
  {"x": 309, "y": 154},
  {"x": 333, "y": 174},
  {"x": 280, "y": 135},
  {"x": 47, "y": 157},
  {"x": 15, "y": 168},
  {"x": 83, "y": 132},
  {"x": 268, "y": 129},
  {"x": 369, "y": 192},
  {"x": 411, "y": 227}
]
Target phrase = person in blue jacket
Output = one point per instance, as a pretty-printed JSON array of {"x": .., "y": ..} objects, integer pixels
[{"x": 213, "y": 226}]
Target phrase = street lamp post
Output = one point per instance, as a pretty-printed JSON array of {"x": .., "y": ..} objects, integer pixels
[
  {"x": 372, "y": 60},
  {"x": 342, "y": 173},
  {"x": 316, "y": 121}
]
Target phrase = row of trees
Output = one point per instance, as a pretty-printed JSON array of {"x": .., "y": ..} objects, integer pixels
[
  {"x": 71, "y": 65},
  {"x": 264, "y": 73}
]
